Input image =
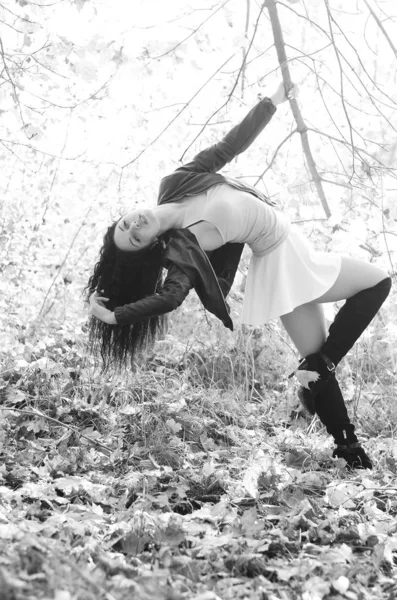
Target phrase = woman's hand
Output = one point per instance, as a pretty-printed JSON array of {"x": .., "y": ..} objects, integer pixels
[
  {"x": 101, "y": 312},
  {"x": 280, "y": 96}
]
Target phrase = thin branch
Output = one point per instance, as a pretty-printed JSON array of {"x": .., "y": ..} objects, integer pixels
[
  {"x": 232, "y": 90},
  {"x": 82, "y": 224},
  {"x": 270, "y": 164},
  {"x": 11, "y": 26},
  {"x": 38, "y": 413},
  {"x": 189, "y": 36},
  {"x": 380, "y": 25},
  {"x": 382, "y": 212},
  {"x": 360, "y": 61},
  {"x": 157, "y": 109},
  {"x": 170, "y": 20},
  {"x": 244, "y": 50},
  {"x": 45, "y": 46},
  {"x": 301, "y": 125},
  {"x": 326, "y": 33},
  {"x": 310, "y": 54},
  {"x": 16, "y": 156},
  {"x": 327, "y": 83},
  {"x": 314, "y": 69},
  {"x": 331, "y": 137},
  {"x": 289, "y": 60},
  {"x": 313, "y": 23},
  {"x": 45, "y": 67},
  {"x": 177, "y": 115},
  {"x": 337, "y": 183},
  {"x": 55, "y": 173},
  {"x": 341, "y": 73},
  {"x": 358, "y": 181},
  {"x": 374, "y": 101},
  {"x": 29, "y": 147},
  {"x": 249, "y": 62},
  {"x": 10, "y": 79},
  {"x": 310, "y": 220},
  {"x": 71, "y": 106},
  {"x": 10, "y": 11}
]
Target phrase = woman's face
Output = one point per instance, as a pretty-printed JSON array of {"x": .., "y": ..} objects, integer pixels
[{"x": 136, "y": 230}]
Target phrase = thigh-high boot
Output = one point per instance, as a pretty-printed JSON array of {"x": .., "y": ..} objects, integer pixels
[{"x": 352, "y": 319}]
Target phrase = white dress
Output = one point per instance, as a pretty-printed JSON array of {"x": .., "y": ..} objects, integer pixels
[{"x": 284, "y": 271}]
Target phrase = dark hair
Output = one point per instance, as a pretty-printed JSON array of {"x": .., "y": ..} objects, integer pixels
[{"x": 124, "y": 277}]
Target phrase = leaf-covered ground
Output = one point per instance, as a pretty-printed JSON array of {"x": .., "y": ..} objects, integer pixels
[{"x": 167, "y": 484}]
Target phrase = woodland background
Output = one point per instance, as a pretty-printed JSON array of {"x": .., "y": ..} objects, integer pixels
[{"x": 196, "y": 476}]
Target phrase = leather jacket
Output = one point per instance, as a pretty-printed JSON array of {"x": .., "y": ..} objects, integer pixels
[{"x": 187, "y": 264}]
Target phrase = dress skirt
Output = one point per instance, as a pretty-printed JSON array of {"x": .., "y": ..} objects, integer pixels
[{"x": 293, "y": 274}]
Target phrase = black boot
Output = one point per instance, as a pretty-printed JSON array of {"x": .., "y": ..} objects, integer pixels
[
  {"x": 354, "y": 455},
  {"x": 332, "y": 412},
  {"x": 353, "y": 318}
]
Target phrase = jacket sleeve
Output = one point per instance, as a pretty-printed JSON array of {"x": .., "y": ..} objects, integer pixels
[
  {"x": 215, "y": 157},
  {"x": 175, "y": 289}
]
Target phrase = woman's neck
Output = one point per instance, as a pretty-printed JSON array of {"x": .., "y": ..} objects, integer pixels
[{"x": 170, "y": 216}]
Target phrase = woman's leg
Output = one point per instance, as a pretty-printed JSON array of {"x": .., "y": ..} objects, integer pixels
[
  {"x": 364, "y": 286},
  {"x": 355, "y": 276},
  {"x": 306, "y": 327}
]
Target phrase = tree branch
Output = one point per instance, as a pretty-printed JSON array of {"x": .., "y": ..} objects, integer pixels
[
  {"x": 301, "y": 125},
  {"x": 380, "y": 25},
  {"x": 187, "y": 37},
  {"x": 11, "y": 81},
  {"x": 314, "y": 69},
  {"x": 176, "y": 116},
  {"x": 269, "y": 166},
  {"x": 232, "y": 90},
  {"x": 357, "y": 148},
  {"x": 244, "y": 50},
  {"x": 16, "y": 156},
  {"x": 82, "y": 224},
  {"x": 38, "y": 413},
  {"x": 249, "y": 62},
  {"x": 313, "y": 23},
  {"x": 362, "y": 64},
  {"x": 341, "y": 73}
]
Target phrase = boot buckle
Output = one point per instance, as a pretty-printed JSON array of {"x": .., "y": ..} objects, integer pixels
[{"x": 328, "y": 362}]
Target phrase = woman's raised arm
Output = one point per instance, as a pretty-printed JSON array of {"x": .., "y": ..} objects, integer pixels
[{"x": 239, "y": 138}]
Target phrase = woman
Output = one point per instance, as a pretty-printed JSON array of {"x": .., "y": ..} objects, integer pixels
[{"x": 197, "y": 232}]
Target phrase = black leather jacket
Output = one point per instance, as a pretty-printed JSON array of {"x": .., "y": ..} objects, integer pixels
[{"x": 187, "y": 264}]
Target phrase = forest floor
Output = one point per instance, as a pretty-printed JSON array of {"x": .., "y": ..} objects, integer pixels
[{"x": 163, "y": 484}]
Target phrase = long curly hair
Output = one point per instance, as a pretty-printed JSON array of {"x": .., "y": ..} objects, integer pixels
[{"x": 124, "y": 277}]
